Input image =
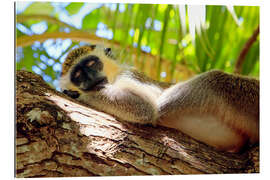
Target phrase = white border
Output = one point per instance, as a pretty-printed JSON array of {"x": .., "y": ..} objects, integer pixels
[
  {"x": 190, "y": 2},
  {"x": 7, "y": 88}
]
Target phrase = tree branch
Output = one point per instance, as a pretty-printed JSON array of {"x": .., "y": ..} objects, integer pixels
[
  {"x": 243, "y": 53},
  {"x": 57, "y": 136}
]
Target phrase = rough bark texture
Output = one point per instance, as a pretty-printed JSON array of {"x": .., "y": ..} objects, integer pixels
[{"x": 57, "y": 136}]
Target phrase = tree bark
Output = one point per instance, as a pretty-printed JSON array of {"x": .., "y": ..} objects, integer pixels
[{"x": 57, "y": 136}]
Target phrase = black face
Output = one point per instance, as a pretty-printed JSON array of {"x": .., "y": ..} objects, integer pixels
[{"x": 87, "y": 74}]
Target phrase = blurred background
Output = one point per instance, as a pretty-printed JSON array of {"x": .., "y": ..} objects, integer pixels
[{"x": 167, "y": 42}]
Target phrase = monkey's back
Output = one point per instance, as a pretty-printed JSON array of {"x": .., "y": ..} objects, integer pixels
[{"x": 241, "y": 92}]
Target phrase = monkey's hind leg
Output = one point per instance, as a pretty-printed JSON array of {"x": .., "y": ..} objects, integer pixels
[{"x": 198, "y": 110}]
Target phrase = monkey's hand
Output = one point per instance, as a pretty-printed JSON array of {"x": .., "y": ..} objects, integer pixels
[{"x": 72, "y": 94}]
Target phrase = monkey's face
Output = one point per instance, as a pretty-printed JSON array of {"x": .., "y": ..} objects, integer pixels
[
  {"x": 83, "y": 69},
  {"x": 87, "y": 74}
]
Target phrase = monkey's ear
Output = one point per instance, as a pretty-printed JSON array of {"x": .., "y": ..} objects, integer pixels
[
  {"x": 108, "y": 52},
  {"x": 72, "y": 94}
]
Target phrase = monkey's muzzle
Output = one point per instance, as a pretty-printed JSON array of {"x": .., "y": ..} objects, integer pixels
[{"x": 96, "y": 85}]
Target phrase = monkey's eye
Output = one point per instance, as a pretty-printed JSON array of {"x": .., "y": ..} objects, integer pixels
[
  {"x": 108, "y": 52},
  {"x": 77, "y": 74},
  {"x": 90, "y": 63}
]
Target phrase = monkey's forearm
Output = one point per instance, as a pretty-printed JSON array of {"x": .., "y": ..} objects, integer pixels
[{"x": 122, "y": 103}]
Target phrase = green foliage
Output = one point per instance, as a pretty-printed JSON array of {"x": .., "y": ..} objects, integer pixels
[
  {"x": 220, "y": 45},
  {"x": 155, "y": 29},
  {"x": 74, "y": 8},
  {"x": 27, "y": 65},
  {"x": 41, "y": 8},
  {"x": 91, "y": 20}
]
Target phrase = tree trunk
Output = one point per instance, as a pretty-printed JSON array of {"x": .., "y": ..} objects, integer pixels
[{"x": 57, "y": 136}]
